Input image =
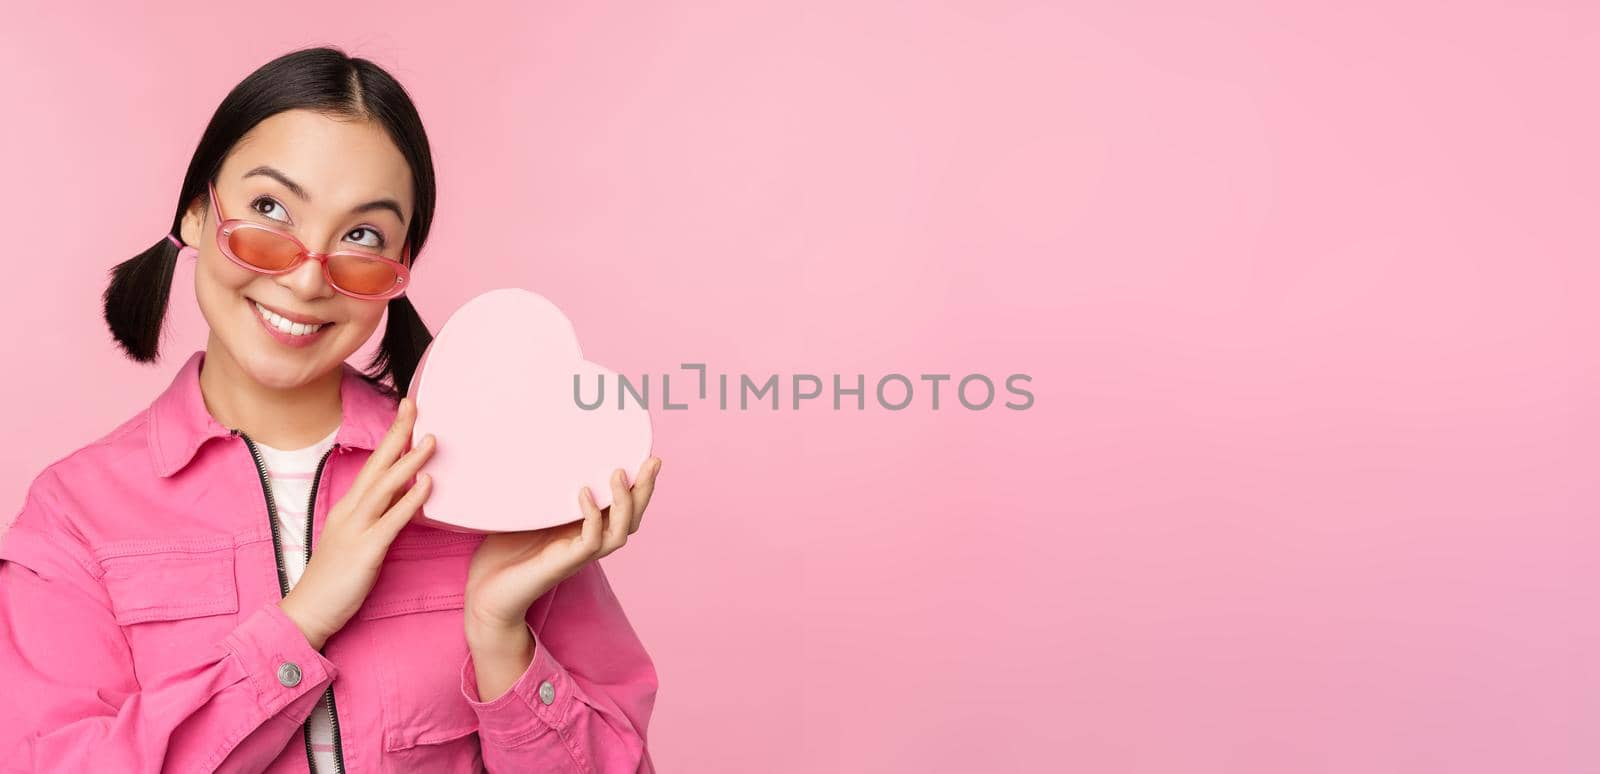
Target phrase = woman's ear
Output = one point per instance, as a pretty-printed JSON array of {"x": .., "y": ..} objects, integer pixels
[{"x": 194, "y": 222}]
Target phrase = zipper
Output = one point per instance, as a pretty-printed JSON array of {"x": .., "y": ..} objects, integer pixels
[{"x": 283, "y": 577}]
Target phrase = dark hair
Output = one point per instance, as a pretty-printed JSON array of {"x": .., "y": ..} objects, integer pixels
[{"x": 327, "y": 81}]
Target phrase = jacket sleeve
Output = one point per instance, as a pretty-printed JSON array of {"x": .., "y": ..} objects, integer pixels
[
  {"x": 74, "y": 702},
  {"x": 602, "y": 688}
]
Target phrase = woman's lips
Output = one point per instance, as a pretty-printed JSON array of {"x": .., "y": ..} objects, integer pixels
[{"x": 288, "y": 339}]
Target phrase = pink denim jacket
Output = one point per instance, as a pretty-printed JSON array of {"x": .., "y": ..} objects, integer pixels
[{"x": 140, "y": 631}]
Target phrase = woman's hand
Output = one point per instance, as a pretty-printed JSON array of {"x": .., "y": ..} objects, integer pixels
[
  {"x": 510, "y": 570},
  {"x": 347, "y": 556}
]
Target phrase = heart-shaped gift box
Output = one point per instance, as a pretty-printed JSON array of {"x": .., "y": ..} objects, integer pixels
[{"x": 513, "y": 444}]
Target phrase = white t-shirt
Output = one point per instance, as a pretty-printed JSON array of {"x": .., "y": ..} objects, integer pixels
[{"x": 289, "y": 475}]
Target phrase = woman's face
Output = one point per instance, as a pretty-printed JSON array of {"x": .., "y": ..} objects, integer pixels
[{"x": 337, "y": 166}]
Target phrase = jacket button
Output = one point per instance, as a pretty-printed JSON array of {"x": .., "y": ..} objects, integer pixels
[
  {"x": 547, "y": 692},
  {"x": 289, "y": 674}
]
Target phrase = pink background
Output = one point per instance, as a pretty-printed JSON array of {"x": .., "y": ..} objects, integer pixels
[{"x": 1307, "y": 297}]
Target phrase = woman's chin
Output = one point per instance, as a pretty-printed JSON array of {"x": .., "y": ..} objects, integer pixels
[{"x": 282, "y": 369}]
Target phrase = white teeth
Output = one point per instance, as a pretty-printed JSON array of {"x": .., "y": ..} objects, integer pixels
[{"x": 291, "y": 328}]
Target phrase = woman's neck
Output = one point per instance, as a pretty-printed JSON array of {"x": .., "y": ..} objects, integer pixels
[{"x": 292, "y": 418}]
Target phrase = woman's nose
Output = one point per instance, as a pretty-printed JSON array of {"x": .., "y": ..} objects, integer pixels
[{"x": 307, "y": 280}]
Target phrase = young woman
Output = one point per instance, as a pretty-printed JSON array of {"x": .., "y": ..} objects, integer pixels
[{"x": 228, "y": 580}]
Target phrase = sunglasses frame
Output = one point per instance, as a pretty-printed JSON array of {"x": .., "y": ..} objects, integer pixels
[{"x": 226, "y": 227}]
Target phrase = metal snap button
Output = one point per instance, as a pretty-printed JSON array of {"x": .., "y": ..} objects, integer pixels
[{"x": 289, "y": 674}]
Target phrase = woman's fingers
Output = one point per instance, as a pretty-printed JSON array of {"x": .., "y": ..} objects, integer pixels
[
  {"x": 386, "y": 490},
  {"x": 590, "y": 538},
  {"x": 389, "y": 449},
  {"x": 620, "y": 521},
  {"x": 643, "y": 486},
  {"x": 398, "y": 516}
]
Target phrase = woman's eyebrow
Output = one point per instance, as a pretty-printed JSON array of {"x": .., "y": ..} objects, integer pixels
[{"x": 377, "y": 204}]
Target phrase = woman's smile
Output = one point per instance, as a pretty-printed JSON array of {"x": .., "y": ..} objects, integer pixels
[{"x": 292, "y": 329}]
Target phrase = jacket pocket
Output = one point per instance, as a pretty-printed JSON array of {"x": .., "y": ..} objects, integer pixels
[
  {"x": 174, "y": 599},
  {"x": 414, "y": 615}
]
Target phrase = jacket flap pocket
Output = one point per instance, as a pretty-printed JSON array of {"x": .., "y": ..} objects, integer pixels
[
  {"x": 171, "y": 581},
  {"x": 428, "y": 573},
  {"x": 417, "y": 586},
  {"x": 413, "y": 602},
  {"x": 419, "y": 541}
]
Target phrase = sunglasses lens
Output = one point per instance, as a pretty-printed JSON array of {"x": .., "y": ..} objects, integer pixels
[
  {"x": 367, "y": 276},
  {"x": 263, "y": 249}
]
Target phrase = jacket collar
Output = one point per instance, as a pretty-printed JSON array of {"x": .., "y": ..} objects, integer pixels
[{"x": 180, "y": 422}]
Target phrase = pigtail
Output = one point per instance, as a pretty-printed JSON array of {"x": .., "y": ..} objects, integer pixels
[
  {"x": 405, "y": 338},
  {"x": 136, "y": 300}
]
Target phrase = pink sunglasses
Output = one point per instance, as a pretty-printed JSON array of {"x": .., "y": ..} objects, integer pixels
[{"x": 268, "y": 250}]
